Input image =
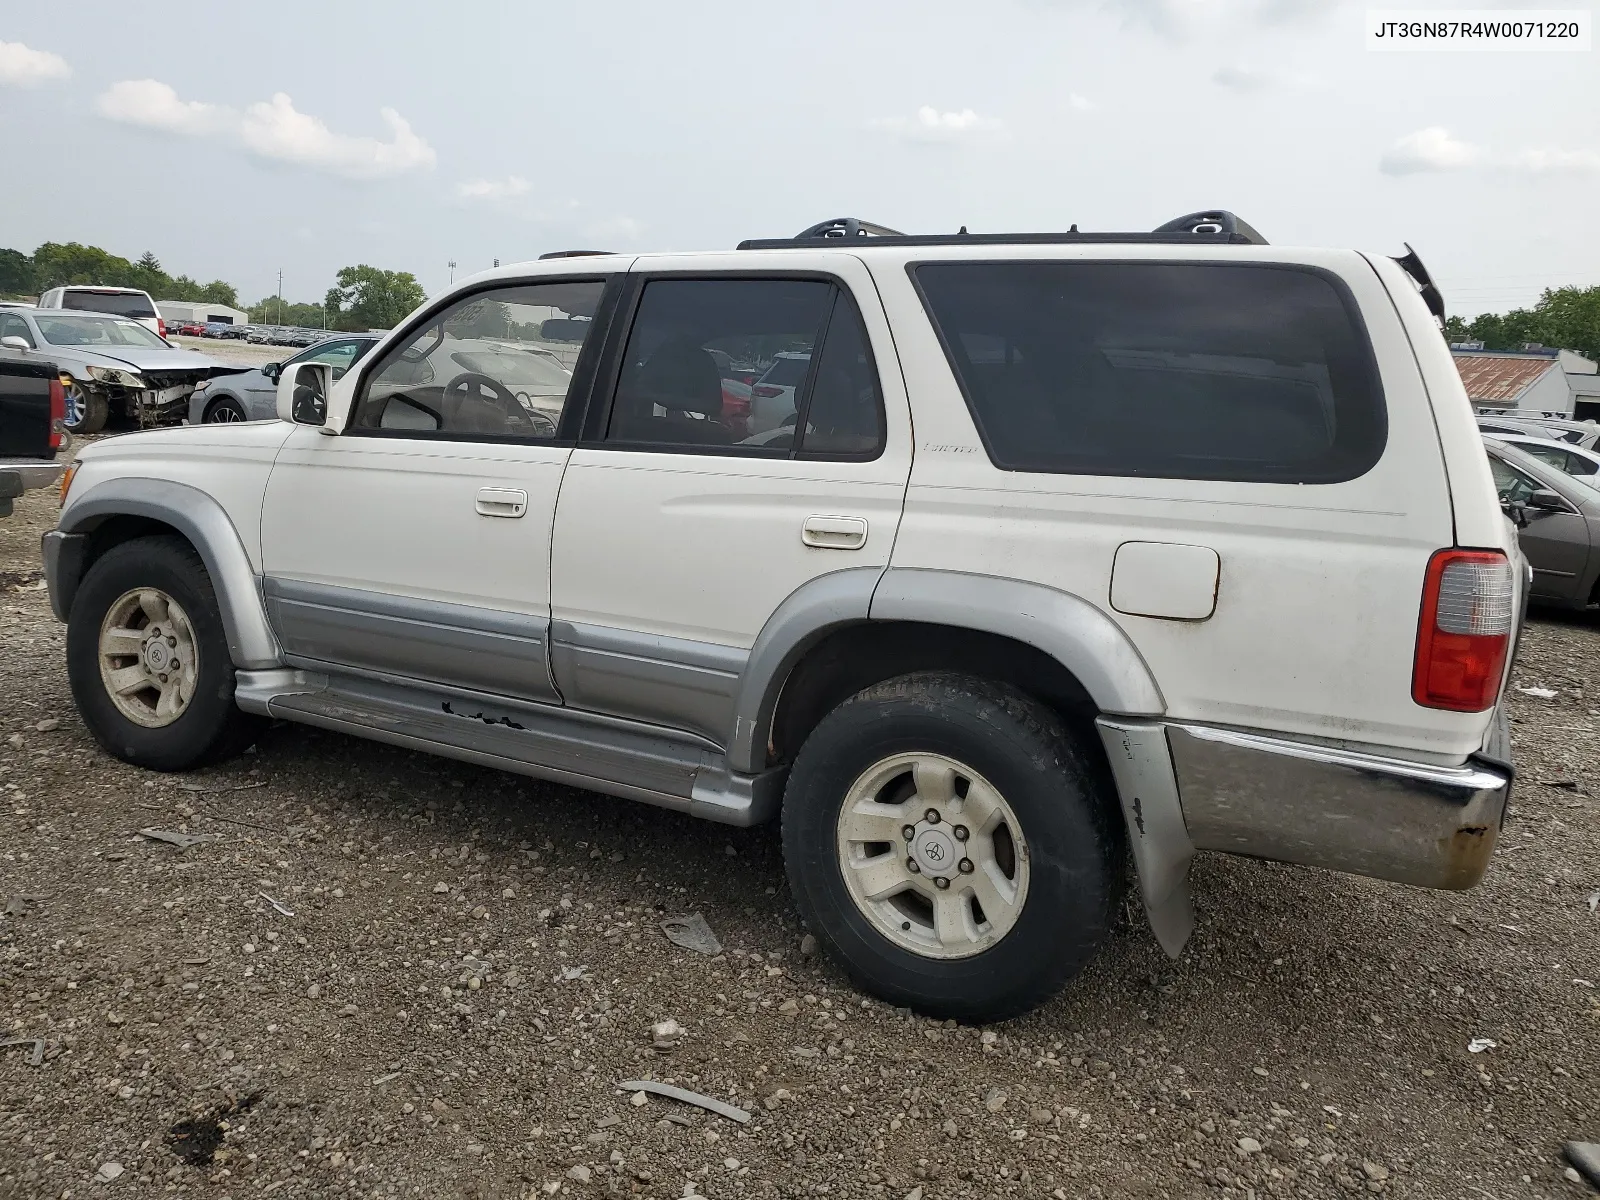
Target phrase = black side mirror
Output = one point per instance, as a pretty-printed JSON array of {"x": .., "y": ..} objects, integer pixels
[
  {"x": 1547, "y": 500},
  {"x": 270, "y": 370}
]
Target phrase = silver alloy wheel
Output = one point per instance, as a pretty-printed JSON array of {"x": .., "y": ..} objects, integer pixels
[
  {"x": 149, "y": 662},
  {"x": 223, "y": 412},
  {"x": 77, "y": 407},
  {"x": 933, "y": 855}
]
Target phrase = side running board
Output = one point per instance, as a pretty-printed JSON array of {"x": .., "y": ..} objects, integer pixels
[{"x": 604, "y": 754}]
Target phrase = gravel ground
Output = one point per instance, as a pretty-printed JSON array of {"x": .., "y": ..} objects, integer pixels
[
  {"x": 474, "y": 961},
  {"x": 234, "y": 352}
]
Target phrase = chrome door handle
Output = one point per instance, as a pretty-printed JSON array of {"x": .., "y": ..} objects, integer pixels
[
  {"x": 835, "y": 533},
  {"x": 502, "y": 502}
]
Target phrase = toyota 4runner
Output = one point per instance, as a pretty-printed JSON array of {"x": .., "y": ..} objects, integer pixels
[{"x": 1068, "y": 544}]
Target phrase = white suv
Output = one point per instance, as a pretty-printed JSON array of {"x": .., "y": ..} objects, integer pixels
[
  {"x": 1077, "y": 543},
  {"x": 118, "y": 301}
]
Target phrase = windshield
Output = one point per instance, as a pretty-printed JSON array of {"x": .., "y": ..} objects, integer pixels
[
  {"x": 517, "y": 369},
  {"x": 82, "y": 329},
  {"x": 124, "y": 304}
]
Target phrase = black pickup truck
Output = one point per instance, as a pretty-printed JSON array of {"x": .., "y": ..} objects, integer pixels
[{"x": 32, "y": 405}]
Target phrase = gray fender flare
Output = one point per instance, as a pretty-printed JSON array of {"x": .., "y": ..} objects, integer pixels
[
  {"x": 807, "y": 615},
  {"x": 1068, "y": 628},
  {"x": 202, "y": 520}
]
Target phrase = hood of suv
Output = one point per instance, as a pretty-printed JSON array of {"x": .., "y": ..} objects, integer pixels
[{"x": 145, "y": 359}]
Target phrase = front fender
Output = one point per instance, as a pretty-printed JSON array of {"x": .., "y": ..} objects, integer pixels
[{"x": 198, "y": 517}]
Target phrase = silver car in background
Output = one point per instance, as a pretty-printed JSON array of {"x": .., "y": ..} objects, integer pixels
[{"x": 111, "y": 366}]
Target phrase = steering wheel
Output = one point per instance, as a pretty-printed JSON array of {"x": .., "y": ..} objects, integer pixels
[{"x": 519, "y": 418}]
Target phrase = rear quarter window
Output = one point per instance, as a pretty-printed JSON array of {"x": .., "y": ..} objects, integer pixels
[{"x": 1250, "y": 373}]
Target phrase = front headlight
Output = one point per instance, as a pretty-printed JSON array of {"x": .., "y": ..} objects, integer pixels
[{"x": 114, "y": 375}]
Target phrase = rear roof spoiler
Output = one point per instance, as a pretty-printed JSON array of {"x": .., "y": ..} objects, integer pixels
[{"x": 1411, "y": 264}]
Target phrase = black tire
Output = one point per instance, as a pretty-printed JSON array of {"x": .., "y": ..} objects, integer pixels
[
  {"x": 87, "y": 410},
  {"x": 225, "y": 410},
  {"x": 1060, "y": 793},
  {"x": 212, "y": 727}
]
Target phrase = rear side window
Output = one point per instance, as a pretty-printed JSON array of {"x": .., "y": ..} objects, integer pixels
[
  {"x": 1169, "y": 370},
  {"x": 123, "y": 304}
]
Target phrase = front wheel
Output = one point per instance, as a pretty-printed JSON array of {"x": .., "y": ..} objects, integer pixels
[
  {"x": 87, "y": 411},
  {"x": 952, "y": 845},
  {"x": 147, "y": 658},
  {"x": 225, "y": 411}
]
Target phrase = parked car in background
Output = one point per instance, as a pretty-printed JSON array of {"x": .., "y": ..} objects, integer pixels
[
  {"x": 772, "y": 395},
  {"x": 118, "y": 301},
  {"x": 253, "y": 395},
  {"x": 112, "y": 366},
  {"x": 1558, "y": 524},
  {"x": 1577, "y": 433},
  {"x": 259, "y": 335},
  {"x": 1583, "y": 465},
  {"x": 1167, "y": 541},
  {"x": 32, "y": 404},
  {"x": 192, "y": 329}
]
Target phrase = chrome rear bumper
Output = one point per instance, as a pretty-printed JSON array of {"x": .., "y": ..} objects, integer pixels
[
  {"x": 1385, "y": 817},
  {"x": 1190, "y": 787}
]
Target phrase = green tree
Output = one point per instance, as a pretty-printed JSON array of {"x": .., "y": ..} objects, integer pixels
[
  {"x": 1566, "y": 318},
  {"x": 366, "y": 297},
  {"x": 56, "y": 264},
  {"x": 151, "y": 278},
  {"x": 16, "y": 273},
  {"x": 269, "y": 311}
]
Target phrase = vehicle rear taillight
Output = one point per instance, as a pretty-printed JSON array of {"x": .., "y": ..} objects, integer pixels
[
  {"x": 161, "y": 327},
  {"x": 766, "y": 391},
  {"x": 58, "y": 415},
  {"x": 1468, "y": 605}
]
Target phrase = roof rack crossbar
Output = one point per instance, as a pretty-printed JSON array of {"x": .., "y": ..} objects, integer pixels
[
  {"x": 573, "y": 254},
  {"x": 1215, "y": 226}
]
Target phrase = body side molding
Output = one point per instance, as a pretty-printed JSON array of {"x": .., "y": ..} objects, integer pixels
[{"x": 199, "y": 517}]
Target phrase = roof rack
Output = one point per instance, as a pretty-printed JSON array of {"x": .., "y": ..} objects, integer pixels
[
  {"x": 1214, "y": 226},
  {"x": 574, "y": 254}
]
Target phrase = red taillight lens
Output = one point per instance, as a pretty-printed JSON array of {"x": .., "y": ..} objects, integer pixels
[
  {"x": 766, "y": 391},
  {"x": 58, "y": 414},
  {"x": 161, "y": 327},
  {"x": 1468, "y": 604}
]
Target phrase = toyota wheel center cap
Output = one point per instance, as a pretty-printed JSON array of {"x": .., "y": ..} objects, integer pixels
[
  {"x": 935, "y": 852},
  {"x": 156, "y": 656}
]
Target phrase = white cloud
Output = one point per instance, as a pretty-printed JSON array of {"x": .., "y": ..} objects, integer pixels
[
  {"x": 490, "y": 190},
  {"x": 931, "y": 125},
  {"x": 1431, "y": 149},
  {"x": 154, "y": 105},
  {"x": 21, "y": 66},
  {"x": 271, "y": 129},
  {"x": 275, "y": 129},
  {"x": 1079, "y": 103}
]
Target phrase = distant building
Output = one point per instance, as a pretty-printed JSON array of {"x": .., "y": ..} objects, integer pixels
[
  {"x": 193, "y": 312},
  {"x": 1534, "y": 381}
]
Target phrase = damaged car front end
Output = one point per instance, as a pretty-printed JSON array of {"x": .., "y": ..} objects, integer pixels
[{"x": 112, "y": 367}]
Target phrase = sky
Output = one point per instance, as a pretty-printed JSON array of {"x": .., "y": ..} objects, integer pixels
[{"x": 235, "y": 141}]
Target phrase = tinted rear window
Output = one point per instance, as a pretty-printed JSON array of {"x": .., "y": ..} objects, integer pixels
[
  {"x": 124, "y": 304},
  {"x": 1171, "y": 370}
]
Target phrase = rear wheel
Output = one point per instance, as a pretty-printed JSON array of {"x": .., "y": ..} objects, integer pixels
[
  {"x": 147, "y": 658},
  {"x": 225, "y": 411},
  {"x": 951, "y": 845},
  {"x": 87, "y": 411}
]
